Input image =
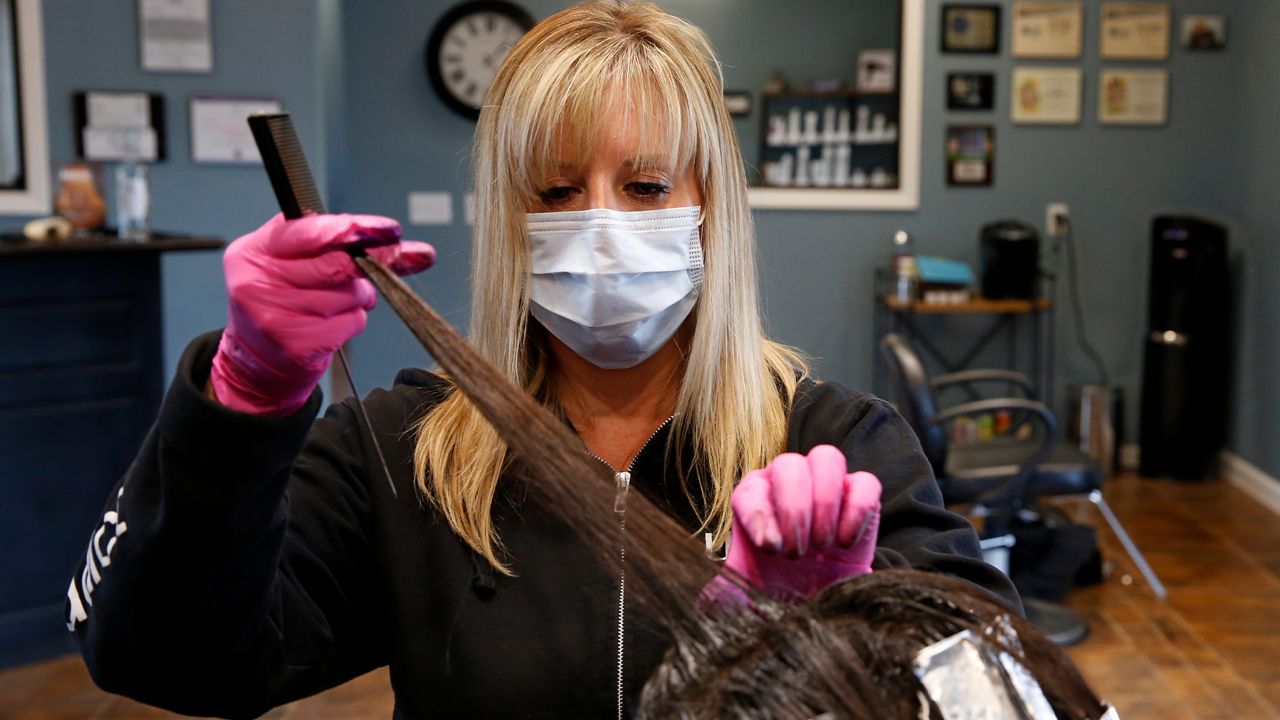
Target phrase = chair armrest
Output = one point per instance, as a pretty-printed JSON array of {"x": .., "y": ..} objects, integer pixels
[
  {"x": 966, "y": 377},
  {"x": 1016, "y": 486}
]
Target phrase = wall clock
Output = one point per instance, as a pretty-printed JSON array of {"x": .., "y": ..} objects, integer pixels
[{"x": 465, "y": 48}]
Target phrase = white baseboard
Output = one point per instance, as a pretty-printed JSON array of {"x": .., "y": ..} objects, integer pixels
[{"x": 1251, "y": 480}]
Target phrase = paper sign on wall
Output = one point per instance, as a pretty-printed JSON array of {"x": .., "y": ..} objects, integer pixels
[
  {"x": 220, "y": 129},
  {"x": 175, "y": 36}
]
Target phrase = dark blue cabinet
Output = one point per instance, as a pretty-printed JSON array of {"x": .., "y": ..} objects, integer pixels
[{"x": 80, "y": 381}]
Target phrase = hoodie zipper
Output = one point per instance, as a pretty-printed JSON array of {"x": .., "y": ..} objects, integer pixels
[{"x": 623, "y": 478}]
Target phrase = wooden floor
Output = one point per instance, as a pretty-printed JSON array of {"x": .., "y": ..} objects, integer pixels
[{"x": 1213, "y": 651}]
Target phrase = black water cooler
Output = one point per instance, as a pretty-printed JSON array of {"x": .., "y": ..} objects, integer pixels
[{"x": 1186, "y": 363}]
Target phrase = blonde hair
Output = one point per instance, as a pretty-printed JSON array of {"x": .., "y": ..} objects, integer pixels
[{"x": 551, "y": 92}]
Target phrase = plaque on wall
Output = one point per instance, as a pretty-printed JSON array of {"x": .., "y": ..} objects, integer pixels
[{"x": 1047, "y": 29}]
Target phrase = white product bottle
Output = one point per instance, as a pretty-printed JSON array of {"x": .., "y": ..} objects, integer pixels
[
  {"x": 811, "y": 126},
  {"x": 802, "y": 166},
  {"x": 840, "y": 176},
  {"x": 777, "y": 131},
  {"x": 133, "y": 193},
  {"x": 842, "y": 126},
  {"x": 793, "y": 126},
  {"x": 785, "y": 168}
]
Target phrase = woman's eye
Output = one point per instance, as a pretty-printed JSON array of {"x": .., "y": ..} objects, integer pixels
[
  {"x": 558, "y": 194},
  {"x": 649, "y": 190}
]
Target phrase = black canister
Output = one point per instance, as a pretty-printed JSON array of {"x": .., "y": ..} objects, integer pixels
[{"x": 1010, "y": 260}]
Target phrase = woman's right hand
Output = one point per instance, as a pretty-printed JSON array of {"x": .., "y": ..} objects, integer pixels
[{"x": 295, "y": 296}]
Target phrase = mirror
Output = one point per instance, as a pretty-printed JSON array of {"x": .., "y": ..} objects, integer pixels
[{"x": 24, "y": 150}]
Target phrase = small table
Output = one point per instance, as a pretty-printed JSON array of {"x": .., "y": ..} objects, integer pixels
[
  {"x": 81, "y": 377},
  {"x": 894, "y": 315}
]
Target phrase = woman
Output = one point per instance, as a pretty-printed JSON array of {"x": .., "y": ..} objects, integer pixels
[{"x": 251, "y": 557}]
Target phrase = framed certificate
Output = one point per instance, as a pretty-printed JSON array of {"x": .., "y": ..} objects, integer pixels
[
  {"x": 1047, "y": 29},
  {"x": 1046, "y": 95},
  {"x": 114, "y": 125},
  {"x": 970, "y": 28},
  {"x": 1135, "y": 30},
  {"x": 220, "y": 128},
  {"x": 1133, "y": 97}
]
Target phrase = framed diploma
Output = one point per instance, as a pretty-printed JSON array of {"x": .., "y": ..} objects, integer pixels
[
  {"x": 970, "y": 154},
  {"x": 1135, "y": 30},
  {"x": 1047, "y": 29},
  {"x": 1133, "y": 97},
  {"x": 1046, "y": 95},
  {"x": 970, "y": 28}
]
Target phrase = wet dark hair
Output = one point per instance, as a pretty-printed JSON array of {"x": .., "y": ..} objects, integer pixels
[{"x": 846, "y": 651}]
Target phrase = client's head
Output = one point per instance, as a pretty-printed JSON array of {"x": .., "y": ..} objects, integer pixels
[{"x": 852, "y": 651}]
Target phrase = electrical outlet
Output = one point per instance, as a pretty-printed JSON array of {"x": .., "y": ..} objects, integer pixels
[{"x": 1057, "y": 218}]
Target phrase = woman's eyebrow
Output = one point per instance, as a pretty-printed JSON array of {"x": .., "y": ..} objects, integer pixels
[
  {"x": 654, "y": 161},
  {"x": 561, "y": 167}
]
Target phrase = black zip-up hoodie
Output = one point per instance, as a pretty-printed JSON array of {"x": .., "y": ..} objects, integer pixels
[{"x": 244, "y": 562}]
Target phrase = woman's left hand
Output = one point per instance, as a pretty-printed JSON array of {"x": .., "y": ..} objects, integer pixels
[{"x": 803, "y": 523}]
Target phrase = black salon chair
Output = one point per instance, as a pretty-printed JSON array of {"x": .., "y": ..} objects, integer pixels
[{"x": 1001, "y": 476}]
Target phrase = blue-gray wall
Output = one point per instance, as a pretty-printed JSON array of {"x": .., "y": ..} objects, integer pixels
[
  {"x": 1256, "y": 410},
  {"x": 352, "y": 73}
]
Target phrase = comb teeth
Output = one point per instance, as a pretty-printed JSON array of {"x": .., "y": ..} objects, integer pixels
[{"x": 286, "y": 165}]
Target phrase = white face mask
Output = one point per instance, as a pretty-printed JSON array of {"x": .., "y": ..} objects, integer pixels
[{"x": 614, "y": 286}]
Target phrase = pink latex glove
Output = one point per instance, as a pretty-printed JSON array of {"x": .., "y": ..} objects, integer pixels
[
  {"x": 803, "y": 523},
  {"x": 295, "y": 297}
]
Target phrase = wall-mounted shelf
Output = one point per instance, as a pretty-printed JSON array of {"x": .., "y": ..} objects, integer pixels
[{"x": 898, "y": 158}]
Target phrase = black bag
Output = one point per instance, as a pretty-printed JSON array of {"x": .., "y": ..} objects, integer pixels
[{"x": 1051, "y": 554}]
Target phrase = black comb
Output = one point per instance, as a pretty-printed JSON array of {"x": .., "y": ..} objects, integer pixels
[
  {"x": 286, "y": 164},
  {"x": 297, "y": 194}
]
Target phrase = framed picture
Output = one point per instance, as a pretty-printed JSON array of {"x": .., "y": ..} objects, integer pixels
[
  {"x": 971, "y": 29},
  {"x": 1047, "y": 29},
  {"x": 1204, "y": 32},
  {"x": 738, "y": 102},
  {"x": 970, "y": 154},
  {"x": 1046, "y": 95},
  {"x": 1133, "y": 97},
  {"x": 1135, "y": 30},
  {"x": 175, "y": 36},
  {"x": 113, "y": 125},
  {"x": 877, "y": 70},
  {"x": 220, "y": 129},
  {"x": 971, "y": 91}
]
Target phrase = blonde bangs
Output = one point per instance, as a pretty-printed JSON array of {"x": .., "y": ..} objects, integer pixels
[{"x": 570, "y": 97}]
